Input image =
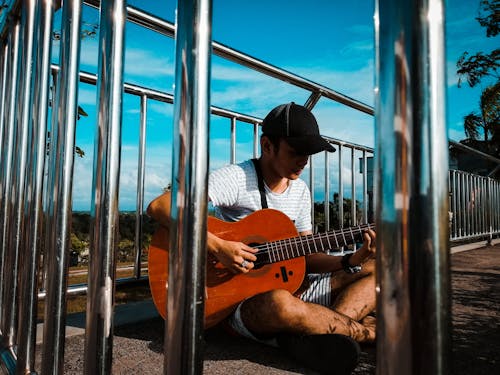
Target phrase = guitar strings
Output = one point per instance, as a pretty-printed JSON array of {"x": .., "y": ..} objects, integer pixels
[{"x": 283, "y": 244}]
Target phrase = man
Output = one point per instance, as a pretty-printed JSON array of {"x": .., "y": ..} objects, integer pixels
[{"x": 332, "y": 306}]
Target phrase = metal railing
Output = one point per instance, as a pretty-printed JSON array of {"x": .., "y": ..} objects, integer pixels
[
  {"x": 24, "y": 121},
  {"x": 474, "y": 207}
]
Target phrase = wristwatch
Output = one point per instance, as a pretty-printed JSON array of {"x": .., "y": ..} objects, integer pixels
[{"x": 347, "y": 267}]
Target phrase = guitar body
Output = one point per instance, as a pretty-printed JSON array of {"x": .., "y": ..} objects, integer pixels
[{"x": 224, "y": 289}]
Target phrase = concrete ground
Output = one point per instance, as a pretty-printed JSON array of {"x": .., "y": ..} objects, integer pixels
[{"x": 476, "y": 332}]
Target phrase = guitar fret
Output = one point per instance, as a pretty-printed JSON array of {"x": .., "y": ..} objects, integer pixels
[
  {"x": 288, "y": 248},
  {"x": 328, "y": 239},
  {"x": 314, "y": 243},
  {"x": 352, "y": 236},
  {"x": 282, "y": 251},
  {"x": 273, "y": 250}
]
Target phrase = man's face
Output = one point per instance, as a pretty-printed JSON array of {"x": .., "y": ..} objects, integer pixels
[{"x": 287, "y": 162}]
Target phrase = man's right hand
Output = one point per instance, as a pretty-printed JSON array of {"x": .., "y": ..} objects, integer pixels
[{"x": 235, "y": 256}]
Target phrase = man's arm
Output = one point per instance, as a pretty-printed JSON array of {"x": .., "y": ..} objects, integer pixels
[{"x": 230, "y": 253}]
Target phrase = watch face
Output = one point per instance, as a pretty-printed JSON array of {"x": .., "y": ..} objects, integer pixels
[{"x": 355, "y": 269}]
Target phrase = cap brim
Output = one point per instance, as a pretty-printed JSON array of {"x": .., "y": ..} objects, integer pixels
[{"x": 310, "y": 144}]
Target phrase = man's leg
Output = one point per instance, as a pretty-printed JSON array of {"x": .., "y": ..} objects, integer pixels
[
  {"x": 278, "y": 311},
  {"x": 354, "y": 294}
]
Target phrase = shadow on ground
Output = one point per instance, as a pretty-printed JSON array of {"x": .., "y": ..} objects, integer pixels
[{"x": 475, "y": 276}]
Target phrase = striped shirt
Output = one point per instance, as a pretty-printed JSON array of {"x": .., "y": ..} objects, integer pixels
[{"x": 234, "y": 192}]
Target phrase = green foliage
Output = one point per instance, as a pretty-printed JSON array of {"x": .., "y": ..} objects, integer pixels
[
  {"x": 473, "y": 68},
  {"x": 490, "y": 17},
  {"x": 80, "y": 236},
  {"x": 78, "y": 245}
]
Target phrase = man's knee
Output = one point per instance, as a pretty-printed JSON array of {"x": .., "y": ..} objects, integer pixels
[{"x": 278, "y": 305}]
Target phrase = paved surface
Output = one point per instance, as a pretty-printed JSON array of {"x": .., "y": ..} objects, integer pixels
[{"x": 476, "y": 333}]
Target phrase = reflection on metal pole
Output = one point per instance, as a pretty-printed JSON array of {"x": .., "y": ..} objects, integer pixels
[
  {"x": 60, "y": 180},
  {"x": 412, "y": 193},
  {"x": 141, "y": 174},
  {"x": 8, "y": 295},
  {"x": 185, "y": 306},
  {"x": 42, "y": 33},
  {"x": 104, "y": 214}
]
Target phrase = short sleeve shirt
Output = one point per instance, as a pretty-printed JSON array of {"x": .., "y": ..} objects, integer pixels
[{"x": 234, "y": 192}]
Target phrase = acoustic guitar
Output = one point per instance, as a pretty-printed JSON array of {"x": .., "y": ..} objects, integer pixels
[{"x": 280, "y": 260}]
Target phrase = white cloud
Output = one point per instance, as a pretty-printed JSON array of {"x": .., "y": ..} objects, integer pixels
[{"x": 143, "y": 63}]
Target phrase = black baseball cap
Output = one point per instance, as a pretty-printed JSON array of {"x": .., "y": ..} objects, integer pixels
[{"x": 297, "y": 125}]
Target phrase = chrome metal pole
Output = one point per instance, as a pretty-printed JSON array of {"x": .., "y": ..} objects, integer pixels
[
  {"x": 104, "y": 214},
  {"x": 42, "y": 32},
  {"x": 3, "y": 92},
  {"x": 233, "y": 141},
  {"x": 413, "y": 303},
  {"x": 141, "y": 174},
  {"x": 256, "y": 140},
  {"x": 311, "y": 187},
  {"x": 353, "y": 190},
  {"x": 3, "y": 158},
  {"x": 9, "y": 286},
  {"x": 365, "y": 188},
  {"x": 327, "y": 191},
  {"x": 185, "y": 306},
  {"x": 62, "y": 144},
  {"x": 341, "y": 191}
]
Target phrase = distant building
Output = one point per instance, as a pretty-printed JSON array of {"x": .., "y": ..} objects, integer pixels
[{"x": 463, "y": 160}]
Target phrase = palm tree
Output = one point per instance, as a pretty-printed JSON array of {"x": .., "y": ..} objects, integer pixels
[{"x": 487, "y": 122}]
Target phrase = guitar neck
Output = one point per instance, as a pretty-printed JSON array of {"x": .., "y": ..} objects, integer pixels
[{"x": 277, "y": 251}]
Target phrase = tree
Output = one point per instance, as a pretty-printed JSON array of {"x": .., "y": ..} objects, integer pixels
[
  {"x": 474, "y": 68},
  {"x": 488, "y": 119}
]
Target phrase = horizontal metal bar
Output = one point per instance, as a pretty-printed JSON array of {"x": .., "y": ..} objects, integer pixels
[
  {"x": 81, "y": 289},
  {"x": 164, "y": 27}
]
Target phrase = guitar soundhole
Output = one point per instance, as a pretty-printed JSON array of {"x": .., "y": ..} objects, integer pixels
[{"x": 260, "y": 262}]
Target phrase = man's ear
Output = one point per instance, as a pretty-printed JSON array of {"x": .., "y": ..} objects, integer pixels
[{"x": 266, "y": 145}]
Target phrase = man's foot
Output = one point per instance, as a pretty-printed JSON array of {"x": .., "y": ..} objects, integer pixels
[{"x": 327, "y": 354}]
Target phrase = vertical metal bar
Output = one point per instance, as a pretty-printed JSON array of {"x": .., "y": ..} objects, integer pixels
[
  {"x": 365, "y": 188},
  {"x": 233, "y": 141},
  {"x": 141, "y": 175},
  {"x": 341, "y": 190},
  {"x": 468, "y": 215},
  {"x": 4, "y": 157},
  {"x": 104, "y": 214},
  {"x": 185, "y": 306},
  {"x": 42, "y": 31},
  {"x": 327, "y": 191},
  {"x": 489, "y": 210},
  {"x": 312, "y": 100},
  {"x": 8, "y": 306},
  {"x": 353, "y": 190},
  {"x": 413, "y": 304},
  {"x": 311, "y": 184},
  {"x": 3, "y": 92},
  {"x": 463, "y": 205},
  {"x": 255, "y": 140},
  {"x": 62, "y": 144},
  {"x": 476, "y": 204},
  {"x": 455, "y": 200}
]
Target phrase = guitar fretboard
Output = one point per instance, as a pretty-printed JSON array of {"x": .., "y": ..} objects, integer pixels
[{"x": 277, "y": 251}]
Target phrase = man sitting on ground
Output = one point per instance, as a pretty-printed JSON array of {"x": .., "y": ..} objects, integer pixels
[{"x": 321, "y": 322}]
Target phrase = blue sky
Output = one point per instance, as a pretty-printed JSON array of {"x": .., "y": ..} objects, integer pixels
[{"x": 329, "y": 42}]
